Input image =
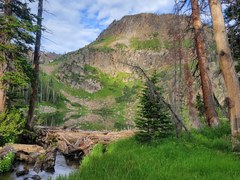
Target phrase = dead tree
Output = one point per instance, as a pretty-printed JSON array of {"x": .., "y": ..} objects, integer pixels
[
  {"x": 210, "y": 112},
  {"x": 182, "y": 32},
  {"x": 228, "y": 69},
  {"x": 34, "y": 83}
]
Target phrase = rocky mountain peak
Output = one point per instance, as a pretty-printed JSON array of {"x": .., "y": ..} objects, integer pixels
[{"x": 139, "y": 25}]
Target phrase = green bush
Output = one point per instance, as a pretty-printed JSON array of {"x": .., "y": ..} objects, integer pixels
[
  {"x": 6, "y": 162},
  {"x": 12, "y": 123}
]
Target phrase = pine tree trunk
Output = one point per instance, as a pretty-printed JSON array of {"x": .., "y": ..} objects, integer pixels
[
  {"x": 2, "y": 89},
  {"x": 228, "y": 70},
  {"x": 210, "y": 112},
  {"x": 3, "y": 65},
  {"x": 34, "y": 85}
]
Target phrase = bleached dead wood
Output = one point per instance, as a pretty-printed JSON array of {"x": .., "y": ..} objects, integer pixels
[{"x": 70, "y": 142}]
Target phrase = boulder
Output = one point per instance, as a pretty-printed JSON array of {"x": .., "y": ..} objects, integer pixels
[
  {"x": 46, "y": 162},
  {"x": 22, "y": 173}
]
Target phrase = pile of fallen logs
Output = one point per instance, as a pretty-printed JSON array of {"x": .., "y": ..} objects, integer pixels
[
  {"x": 76, "y": 142},
  {"x": 70, "y": 142}
]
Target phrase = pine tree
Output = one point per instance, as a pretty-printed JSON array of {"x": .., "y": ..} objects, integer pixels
[
  {"x": 16, "y": 38},
  {"x": 153, "y": 118}
]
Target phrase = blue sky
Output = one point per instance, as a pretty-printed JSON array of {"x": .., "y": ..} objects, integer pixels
[{"x": 72, "y": 24}]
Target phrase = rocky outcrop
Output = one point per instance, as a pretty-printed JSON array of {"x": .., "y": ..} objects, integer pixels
[
  {"x": 111, "y": 62},
  {"x": 141, "y": 25}
]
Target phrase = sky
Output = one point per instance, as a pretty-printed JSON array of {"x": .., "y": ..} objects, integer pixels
[{"x": 72, "y": 24}]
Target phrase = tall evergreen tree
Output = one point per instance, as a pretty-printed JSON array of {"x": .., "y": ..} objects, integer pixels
[
  {"x": 16, "y": 38},
  {"x": 153, "y": 119},
  {"x": 17, "y": 27}
]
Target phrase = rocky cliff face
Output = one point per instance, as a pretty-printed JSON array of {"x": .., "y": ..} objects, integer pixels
[
  {"x": 141, "y": 26},
  {"x": 141, "y": 39}
]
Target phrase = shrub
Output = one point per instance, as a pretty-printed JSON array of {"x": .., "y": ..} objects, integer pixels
[
  {"x": 6, "y": 162},
  {"x": 12, "y": 123}
]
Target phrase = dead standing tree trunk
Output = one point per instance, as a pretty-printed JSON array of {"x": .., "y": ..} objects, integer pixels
[
  {"x": 193, "y": 115},
  {"x": 34, "y": 84},
  {"x": 227, "y": 69},
  {"x": 210, "y": 112}
]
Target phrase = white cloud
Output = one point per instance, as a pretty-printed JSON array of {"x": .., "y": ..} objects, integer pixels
[{"x": 73, "y": 24}]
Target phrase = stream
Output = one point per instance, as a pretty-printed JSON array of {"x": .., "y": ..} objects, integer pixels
[{"x": 63, "y": 166}]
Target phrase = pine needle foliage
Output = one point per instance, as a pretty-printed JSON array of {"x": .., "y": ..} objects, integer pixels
[
  {"x": 17, "y": 29},
  {"x": 153, "y": 118}
]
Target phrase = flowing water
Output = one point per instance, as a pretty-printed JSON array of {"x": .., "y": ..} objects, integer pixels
[{"x": 63, "y": 166}]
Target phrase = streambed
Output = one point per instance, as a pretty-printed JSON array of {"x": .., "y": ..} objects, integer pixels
[{"x": 63, "y": 166}]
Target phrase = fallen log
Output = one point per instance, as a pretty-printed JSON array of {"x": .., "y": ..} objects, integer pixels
[
  {"x": 76, "y": 141},
  {"x": 23, "y": 152}
]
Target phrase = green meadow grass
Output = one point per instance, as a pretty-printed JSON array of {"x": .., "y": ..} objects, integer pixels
[
  {"x": 150, "y": 44},
  {"x": 201, "y": 155}
]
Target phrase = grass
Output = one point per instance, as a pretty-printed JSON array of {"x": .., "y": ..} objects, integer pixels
[
  {"x": 150, "y": 44},
  {"x": 186, "y": 43},
  {"x": 203, "y": 155},
  {"x": 121, "y": 46},
  {"x": 104, "y": 41},
  {"x": 103, "y": 44}
]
